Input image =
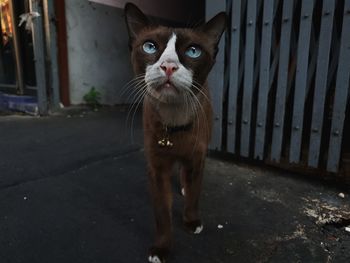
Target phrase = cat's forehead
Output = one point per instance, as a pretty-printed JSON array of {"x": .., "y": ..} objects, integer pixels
[{"x": 162, "y": 34}]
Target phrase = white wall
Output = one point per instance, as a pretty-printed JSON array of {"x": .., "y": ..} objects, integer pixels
[{"x": 98, "y": 54}]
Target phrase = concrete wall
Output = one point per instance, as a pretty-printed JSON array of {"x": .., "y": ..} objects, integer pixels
[{"x": 98, "y": 54}]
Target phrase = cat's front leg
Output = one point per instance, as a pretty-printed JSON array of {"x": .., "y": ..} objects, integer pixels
[
  {"x": 160, "y": 187},
  {"x": 192, "y": 176}
]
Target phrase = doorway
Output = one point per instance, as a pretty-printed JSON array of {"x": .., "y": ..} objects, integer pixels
[{"x": 17, "y": 68}]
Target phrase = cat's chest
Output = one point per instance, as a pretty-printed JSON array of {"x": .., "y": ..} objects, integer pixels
[{"x": 176, "y": 116}]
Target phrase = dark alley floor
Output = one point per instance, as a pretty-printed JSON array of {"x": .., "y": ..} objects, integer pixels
[{"x": 73, "y": 189}]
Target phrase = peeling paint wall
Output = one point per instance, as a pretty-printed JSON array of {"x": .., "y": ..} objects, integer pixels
[{"x": 98, "y": 54}]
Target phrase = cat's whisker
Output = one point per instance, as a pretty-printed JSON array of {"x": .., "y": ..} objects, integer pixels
[
  {"x": 187, "y": 105},
  {"x": 195, "y": 110},
  {"x": 197, "y": 86},
  {"x": 193, "y": 102},
  {"x": 135, "y": 111},
  {"x": 130, "y": 90},
  {"x": 199, "y": 89},
  {"x": 134, "y": 94},
  {"x": 136, "y": 98},
  {"x": 136, "y": 104},
  {"x": 141, "y": 92},
  {"x": 196, "y": 100},
  {"x": 199, "y": 104},
  {"x": 130, "y": 84},
  {"x": 135, "y": 90}
]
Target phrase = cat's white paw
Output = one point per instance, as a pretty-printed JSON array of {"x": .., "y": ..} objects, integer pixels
[
  {"x": 198, "y": 230},
  {"x": 154, "y": 259},
  {"x": 183, "y": 191}
]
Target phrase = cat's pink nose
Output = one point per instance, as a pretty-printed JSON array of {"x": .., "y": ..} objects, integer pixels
[{"x": 169, "y": 67}]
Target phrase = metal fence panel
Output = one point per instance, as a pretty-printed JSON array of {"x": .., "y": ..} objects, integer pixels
[
  {"x": 301, "y": 80},
  {"x": 264, "y": 84},
  {"x": 248, "y": 77},
  {"x": 282, "y": 82},
  {"x": 288, "y": 73},
  {"x": 216, "y": 78},
  {"x": 341, "y": 94},
  {"x": 234, "y": 75},
  {"x": 321, "y": 81}
]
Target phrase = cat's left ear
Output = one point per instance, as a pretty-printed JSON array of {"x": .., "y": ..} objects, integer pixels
[
  {"x": 135, "y": 20},
  {"x": 215, "y": 27}
]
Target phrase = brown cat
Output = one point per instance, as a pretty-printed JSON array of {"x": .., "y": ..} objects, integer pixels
[{"x": 172, "y": 65}]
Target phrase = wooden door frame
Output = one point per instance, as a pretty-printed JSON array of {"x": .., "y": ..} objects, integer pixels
[{"x": 63, "y": 71}]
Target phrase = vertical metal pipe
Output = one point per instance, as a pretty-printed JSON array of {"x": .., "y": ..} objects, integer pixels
[{"x": 39, "y": 54}]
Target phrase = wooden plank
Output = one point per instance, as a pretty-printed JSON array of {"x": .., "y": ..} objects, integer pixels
[
  {"x": 248, "y": 77},
  {"x": 216, "y": 78},
  {"x": 39, "y": 59},
  {"x": 63, "y": 70},
  {"x": 341, "y": 94},
  {"x": 301, "y": 80},
  {"x": 321, "y": 81},
  {"x": 264, "y": 80},
  {"x": 234, "y": 75},
  {"x": 282, "y": 81}
]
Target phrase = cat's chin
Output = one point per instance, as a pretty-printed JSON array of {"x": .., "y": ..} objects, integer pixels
[
  {"x": 167, "y": 89},
  {"x": 166, "y": 93}
]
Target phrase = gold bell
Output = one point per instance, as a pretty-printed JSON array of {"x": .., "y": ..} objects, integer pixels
[{"x": 165, "y": 143}]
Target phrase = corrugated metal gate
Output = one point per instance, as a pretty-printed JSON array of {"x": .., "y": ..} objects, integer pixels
[{"x": 281, "y": 88}]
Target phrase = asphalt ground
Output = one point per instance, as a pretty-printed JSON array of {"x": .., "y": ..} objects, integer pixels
[{"x": 73, "y": 188}]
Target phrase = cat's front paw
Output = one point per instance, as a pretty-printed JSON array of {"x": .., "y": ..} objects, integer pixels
[
  {"x": 157, "y": 255},
  {"x": 194, "y": 227}
]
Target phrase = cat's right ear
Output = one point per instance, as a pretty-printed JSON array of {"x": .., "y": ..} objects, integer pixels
[{"x": 135, "y": 20}]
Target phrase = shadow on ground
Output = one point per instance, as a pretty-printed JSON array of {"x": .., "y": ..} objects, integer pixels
[{"x": 73, "y": 188}]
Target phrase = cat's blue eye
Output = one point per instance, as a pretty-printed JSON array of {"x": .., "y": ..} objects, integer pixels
[
  {"x": 149, "y": 47},
  {"x": 193, "y": 52}
]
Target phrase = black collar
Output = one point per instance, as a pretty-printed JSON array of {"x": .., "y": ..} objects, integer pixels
[{"x": 181, "y": 128}]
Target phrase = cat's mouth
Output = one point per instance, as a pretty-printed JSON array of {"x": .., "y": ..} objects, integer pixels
[
  {"x": 167, "y": 87},
  {"x": 166, "y": 92}
]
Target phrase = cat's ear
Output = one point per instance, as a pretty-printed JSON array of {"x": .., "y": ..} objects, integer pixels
[
  {"x": 135, "y": 20},
  {"x": 215, "y": 27}
]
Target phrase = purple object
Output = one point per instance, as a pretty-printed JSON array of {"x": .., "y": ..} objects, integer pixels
[{"x": 26, "y": 104}]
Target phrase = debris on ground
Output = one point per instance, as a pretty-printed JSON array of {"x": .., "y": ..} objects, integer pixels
[
  {"x": 298, "y": 233},
  {"x": 326, "y": 213},
  {"x": 341, "y": 195}
]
